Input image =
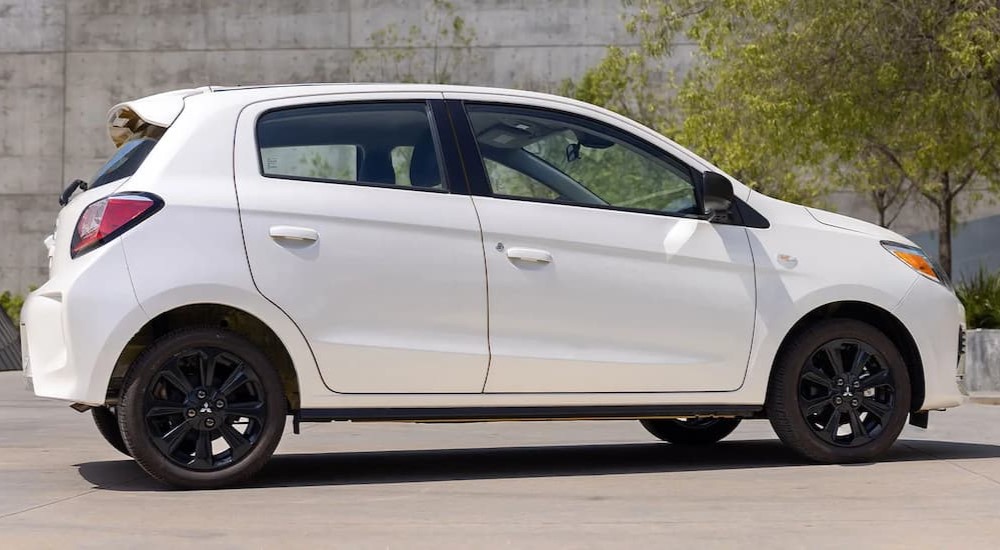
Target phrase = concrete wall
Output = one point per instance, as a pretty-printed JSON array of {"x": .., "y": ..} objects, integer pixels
[{"x": 63, "y": 63}]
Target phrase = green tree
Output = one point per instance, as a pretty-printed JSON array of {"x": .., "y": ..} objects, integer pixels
[
  {"x": 898, "y": 98},
  {"x": 11, "y": 304},
  {"x": 429, "y": 52}
]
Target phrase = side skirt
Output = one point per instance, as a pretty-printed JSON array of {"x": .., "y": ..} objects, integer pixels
[{"x": 495, "y": 414}]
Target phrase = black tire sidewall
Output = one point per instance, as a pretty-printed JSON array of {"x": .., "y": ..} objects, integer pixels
[
  {"x": 107, "y": 424},
  {"x": 782, "y": 401},
  {"x": 132, "y": 420},
  {"x": 674, "y": 431}
]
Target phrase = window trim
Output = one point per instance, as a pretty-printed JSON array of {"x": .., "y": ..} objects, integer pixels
[
  {"x": 481, "y": 185},
  {"x": 433, "y": 123}
]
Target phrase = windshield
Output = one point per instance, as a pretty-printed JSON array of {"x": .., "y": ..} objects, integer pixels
[{"x": 125, "y": 161}]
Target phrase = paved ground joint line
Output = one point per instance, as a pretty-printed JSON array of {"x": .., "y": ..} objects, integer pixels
[
  {"x": 951, "y": 463},
  {"x": 46, "y": 504},
  {"x": 71, "y": 497}
]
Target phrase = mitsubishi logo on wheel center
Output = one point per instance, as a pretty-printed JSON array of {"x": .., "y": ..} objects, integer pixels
[{"x": 205, "y": 408}]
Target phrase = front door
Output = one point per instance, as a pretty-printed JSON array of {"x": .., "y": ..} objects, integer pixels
[
  {"x": 601, "y": 277},
  {"x": 351, "y": 229}
]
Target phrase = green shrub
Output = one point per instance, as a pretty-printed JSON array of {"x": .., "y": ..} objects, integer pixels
[
  {"x": 981, "y": 296},
  {"x": 11, "y": 305}
]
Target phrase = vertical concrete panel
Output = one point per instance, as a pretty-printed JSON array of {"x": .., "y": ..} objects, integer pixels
[
  {"x": 245, "y": 67},
  {"x": 497, "y": 22},
  {"x": 31, "y": 90},
  {"x": 31, "y": 25},
  {"x": 102, "y": 79},
  {"x": 157, "y": 25},
  {"x": 982, "y": 361},
  {"x": 25, "y": 220},
  {"x": 263, "y": 24}
]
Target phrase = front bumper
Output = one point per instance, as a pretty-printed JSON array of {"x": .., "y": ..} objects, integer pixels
[
  {"x": 75, "y": 327},
  {"x": 935, "y": 317}
]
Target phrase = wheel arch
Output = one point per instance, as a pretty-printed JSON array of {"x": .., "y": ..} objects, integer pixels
[
  {"x": 228, "y": 317},
  {"x": 877, "y": 317}
]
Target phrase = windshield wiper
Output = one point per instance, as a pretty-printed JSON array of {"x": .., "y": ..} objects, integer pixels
[{"x": 70, "y": 189}]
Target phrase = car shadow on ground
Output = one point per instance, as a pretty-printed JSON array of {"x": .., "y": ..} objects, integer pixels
[{"x": 359, "y": 468}]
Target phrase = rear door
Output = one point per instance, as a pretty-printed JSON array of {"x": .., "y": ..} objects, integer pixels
[{"x": 352, "y": 228}]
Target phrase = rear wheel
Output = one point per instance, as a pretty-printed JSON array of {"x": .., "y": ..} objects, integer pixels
[
  {"x": 691, "y": 431},
  {"x": 107, "y": 423},
  {"x": 840, "y": 393},
  {"x": 202, "y": 408}
]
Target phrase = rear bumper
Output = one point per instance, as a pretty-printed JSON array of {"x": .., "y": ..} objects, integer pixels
[
  {"x": 935, "y": 317},
  {"x": 76, "y": 325}
]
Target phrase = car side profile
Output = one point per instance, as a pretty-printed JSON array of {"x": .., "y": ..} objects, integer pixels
[{"x": 425, "y": 253}]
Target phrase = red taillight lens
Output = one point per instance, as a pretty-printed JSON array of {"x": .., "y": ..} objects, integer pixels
[{"x": 107, "y": 218}]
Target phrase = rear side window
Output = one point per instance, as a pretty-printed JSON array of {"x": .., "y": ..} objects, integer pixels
[
  {"x": 383, "y": 144},
  {"x": 125, "y": 161}
]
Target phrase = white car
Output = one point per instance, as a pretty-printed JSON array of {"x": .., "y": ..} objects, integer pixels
[{"x": 438, "y": 253}]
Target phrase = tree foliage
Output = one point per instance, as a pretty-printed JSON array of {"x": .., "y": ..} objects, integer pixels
[
  {"x": 11, "y": 304},
  {"x": 894, "y": 98}
]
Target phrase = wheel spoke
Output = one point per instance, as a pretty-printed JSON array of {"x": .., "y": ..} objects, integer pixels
[
  {"x": 861, "y": 357},
  {"x": 176, "y": 378},
  {"x": 170, "y": 440},
  {"x": 880, "y": 410},
  {"x": 833, "y": 355},
  {"x": 858, "y": 428},
  {"x": 206, "y": 368},
  {"x": 817, "y": 377},
  {"x": 236, "y": 379},
  {"x": 164, "y": 408},
  {"x": 832, "y": 424},
  {"x": 203, "y": 450},
  {"x": 254, "y": 410},
  {"x": 815, "y": 406},
  {"x": 874, "y": 380},
  {"x": 236, "y": 441}
]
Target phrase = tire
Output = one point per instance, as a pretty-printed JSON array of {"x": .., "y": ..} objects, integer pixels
[
  {"x": 107, "y": 423},
  {"x": 693, "y": 431},
  {"x": 191, "y": 392},
  {"x": 853, "y": 414}
]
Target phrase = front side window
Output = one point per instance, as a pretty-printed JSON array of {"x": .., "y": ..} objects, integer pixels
[
  {"x": 533, "y": 154},
  {"x": 383, "y": 144}
]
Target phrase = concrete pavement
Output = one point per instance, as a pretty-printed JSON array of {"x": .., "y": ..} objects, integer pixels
[{"x": 517, "y": 485}]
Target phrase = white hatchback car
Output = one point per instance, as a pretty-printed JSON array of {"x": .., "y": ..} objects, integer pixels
[{"x": 433, "y": 254}]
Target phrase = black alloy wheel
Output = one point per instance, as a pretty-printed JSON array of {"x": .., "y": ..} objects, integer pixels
[
  {"x": 205, "y": 409},
  {"x": 202, "y": 408},
  {"x": 839, "y": 393},
  {"x": 846, "y": 393}
]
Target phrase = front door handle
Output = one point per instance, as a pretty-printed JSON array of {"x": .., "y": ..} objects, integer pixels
[
  {"x": 292, "y": 233},
  {"x": 529, "y": 255}
]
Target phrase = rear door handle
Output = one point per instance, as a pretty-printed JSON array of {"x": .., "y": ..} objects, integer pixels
[
  {"x": 292, "y": 233},
  {"x": 529, "y": 255}
]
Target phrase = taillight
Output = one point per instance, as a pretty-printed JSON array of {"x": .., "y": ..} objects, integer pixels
[{"x": 109, "y": 217}]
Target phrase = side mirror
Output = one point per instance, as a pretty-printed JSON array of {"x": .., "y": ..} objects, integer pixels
[{"x": 717, "y": 193}]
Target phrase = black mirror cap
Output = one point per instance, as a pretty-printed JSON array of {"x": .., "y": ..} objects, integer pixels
[{"x": 717, "y": 191}]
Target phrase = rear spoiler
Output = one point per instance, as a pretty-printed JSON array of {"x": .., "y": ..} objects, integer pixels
[{"x": 130, "y": 117}]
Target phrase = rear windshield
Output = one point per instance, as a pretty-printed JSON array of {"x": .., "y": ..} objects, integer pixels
[{"x": 126, "y": 159}]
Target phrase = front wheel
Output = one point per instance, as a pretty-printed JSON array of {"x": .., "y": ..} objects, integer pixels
[
  {"x": 691, "y": 431},
  {"x": 202, "y": 408},
  {"x": 840, "y": 393}
]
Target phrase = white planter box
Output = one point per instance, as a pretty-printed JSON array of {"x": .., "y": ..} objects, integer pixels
[{"x": 982, "y": 361}]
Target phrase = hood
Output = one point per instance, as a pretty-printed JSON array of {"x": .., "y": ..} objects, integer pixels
[{"x": 852, "y": 224}]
